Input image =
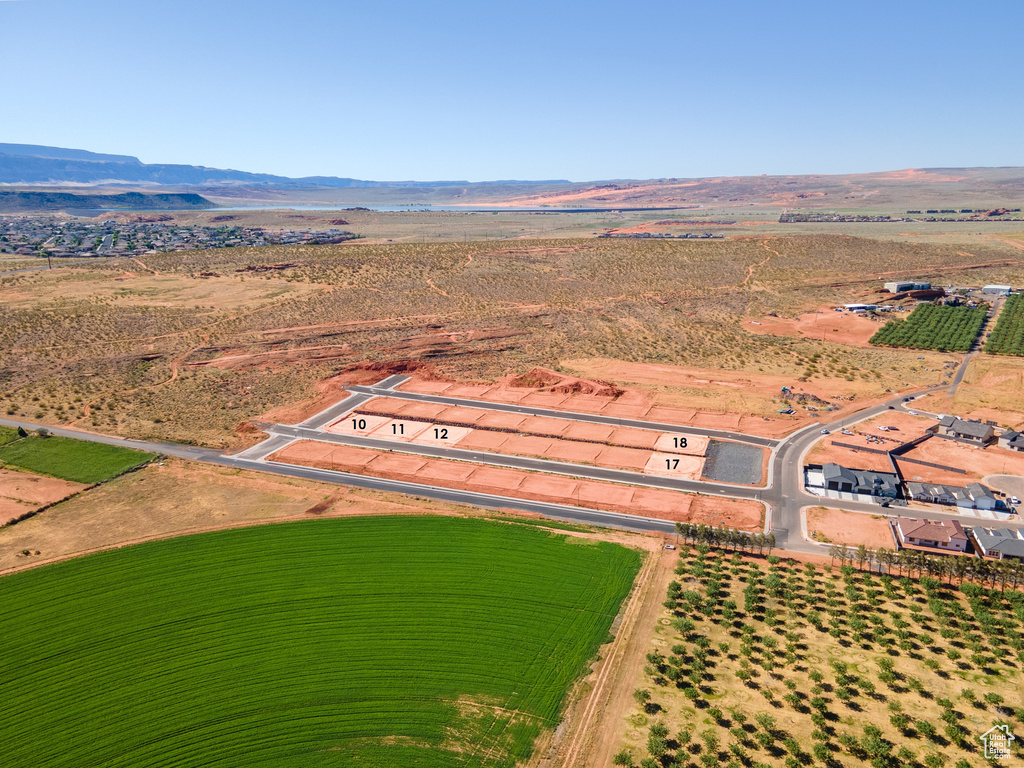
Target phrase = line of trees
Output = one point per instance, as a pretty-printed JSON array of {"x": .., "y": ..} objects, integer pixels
[
  {"x": 915, "y": 562},
  {"x": 726, "y": 538}
]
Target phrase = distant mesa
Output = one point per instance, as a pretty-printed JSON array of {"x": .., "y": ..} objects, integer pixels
[
  {"x": 31, "y": 164},
  {"x": 12, "y": 202}
]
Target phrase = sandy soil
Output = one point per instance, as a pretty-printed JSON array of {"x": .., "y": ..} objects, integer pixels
[
  {"x": 978, "y": 462},
  {"x": 825, "y": 324},
  {"x": 592, "y": 721},
  {"x": 718, "y": 399},
  {"x": 903, "y": 428},
  {"x": 826, "y": 451},
  {"x": 329, "y": 392},
  {"x": 630, "y": 405},
  {"x": 669, "y": 465},
  {"x": 22, "y": 492},
  {"x": 132, "y": 289},
  {"x": 992, "y": 390},
  {"x": 850, "y": 528},
  {"x": 183, "y": 497},
  {"x": 535, "y": 436},
  {"x": 648, "y": 502}
]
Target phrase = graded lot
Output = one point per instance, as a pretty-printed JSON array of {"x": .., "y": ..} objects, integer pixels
[{"x": 647, "y": 502}]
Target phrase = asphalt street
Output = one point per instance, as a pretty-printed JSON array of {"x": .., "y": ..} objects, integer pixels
[
  {"x": 515, "y": 462},
  {"x": 488, "y": 501},
  {"x": 784, "y": 496}
]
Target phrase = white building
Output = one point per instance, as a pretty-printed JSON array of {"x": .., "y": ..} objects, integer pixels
[
  {"x": 997, "y": 290},
  {"x": 899, "y": 286}
]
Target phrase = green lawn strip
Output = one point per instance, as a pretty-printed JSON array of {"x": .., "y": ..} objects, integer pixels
[
  {"x": 388, "y": 641},
  {"x": 8, "y": 435},
  {"x": 68, "y": 459}
]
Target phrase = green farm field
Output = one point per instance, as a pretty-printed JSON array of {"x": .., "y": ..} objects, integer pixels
[
  {"x": 1008, "y": 336},
  {"x": 931, "y": 326},
  {"x": 387, "y": 642},
  {"x": 68, "y": 459}
]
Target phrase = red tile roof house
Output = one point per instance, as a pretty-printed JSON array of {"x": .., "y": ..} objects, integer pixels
[{"x": 947, "y": 535}]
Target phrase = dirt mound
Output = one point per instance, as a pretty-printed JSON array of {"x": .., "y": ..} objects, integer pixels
[
  {"x": 536, "y": 378},
  {"x": 390, "y": 368},
  {"x": 542, "y": 378},
  {"x": 933, "y": 293}
]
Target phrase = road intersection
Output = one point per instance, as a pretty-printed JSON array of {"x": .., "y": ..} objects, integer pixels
[{"x": 783, "y": 494}]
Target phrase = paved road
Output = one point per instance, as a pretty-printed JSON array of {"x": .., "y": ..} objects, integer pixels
[
  {"x": 581, "y": 515},
  {"x": 764, "y": 442},
  {"x": 784, "y": 496},
  {"x": 512, "y": 462},
  {"x": 322, "y": 419},
  {"x": 178, "y": 450},
  {"x": 488, "y": 501}
]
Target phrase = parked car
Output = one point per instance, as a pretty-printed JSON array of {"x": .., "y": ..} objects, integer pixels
[
  {"x": 1014, "y": 500},
  {"x": 883, "y": 428},
  {"x": 847, "y": 432}
]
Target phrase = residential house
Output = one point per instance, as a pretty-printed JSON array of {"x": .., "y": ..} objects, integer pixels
[
  {"x": 876, "y": 486},
  {"x": 973, "y": 431},
  {"x": 979, "y": 497},
  {"x": 930, "y": 493},
  {"x": 1011, "y": 439},
  {"x": 947, "y": 535},
  {"x": 999, "y": 542}
]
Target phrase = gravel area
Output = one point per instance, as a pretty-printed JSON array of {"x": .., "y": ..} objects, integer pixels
[{"x": 733, "y": 463}]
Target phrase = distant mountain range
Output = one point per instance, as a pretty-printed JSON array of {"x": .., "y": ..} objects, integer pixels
[
  {"x": 33, "y": 165},
  {"x": 24, "y": 202}
]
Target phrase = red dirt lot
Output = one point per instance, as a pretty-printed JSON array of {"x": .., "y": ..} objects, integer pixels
[
  {"x": 624, "y": 458},
  {"x": 329, "y": 392},
  {"x": 671, "y": 465},
  {"x": 356, "y": 423},
  {"x": 866, "y": 434},
  {"x": 978, "y": 462},
  {"x": 826, "y": 324},
  {"x": 612, "y": 497},
  {"x": 482, "y": 440},
  {"x": 636, "y": 404},
  {"x": 22, "y": 492},
  {"x": 533, "y": 425},
  {"x": 826, "y": 451},
  {"x": 907, "y": 426},
  {"x": 576, "y": 453},
  {"x": 850, "y": 528}
]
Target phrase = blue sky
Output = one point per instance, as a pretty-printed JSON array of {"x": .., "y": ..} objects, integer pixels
[{"x": 529, "y": 90}]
